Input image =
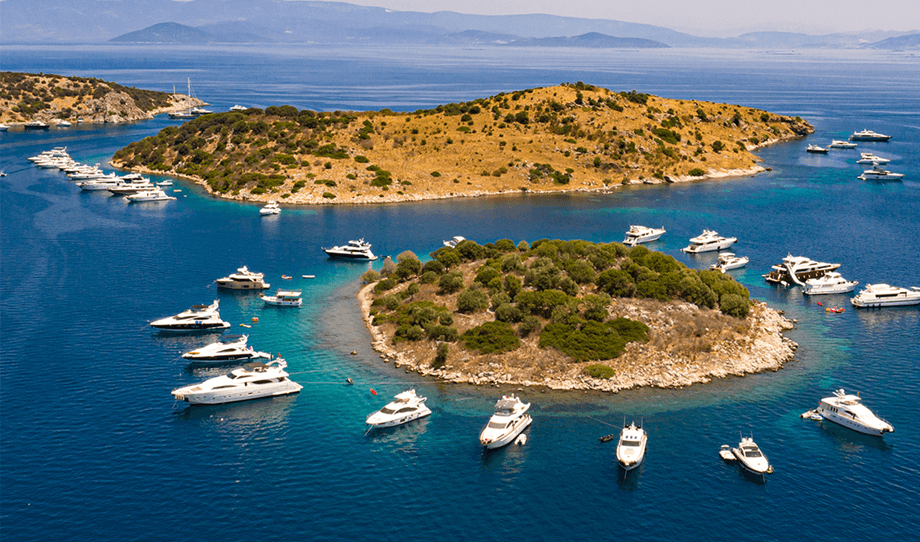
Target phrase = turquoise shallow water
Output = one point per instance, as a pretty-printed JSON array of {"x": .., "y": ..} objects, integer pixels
[{"x": 93, "y": 447}]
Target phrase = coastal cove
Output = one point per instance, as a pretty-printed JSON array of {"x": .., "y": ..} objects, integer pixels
[{"x": 95, "y": 448}]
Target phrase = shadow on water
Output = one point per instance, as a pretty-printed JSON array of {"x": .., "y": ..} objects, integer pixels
[
  {"x": 852, "y": 442},
  {"x": 267, "y": 410},
  {"x": 628, "y": 480},
  {"x": 401, "y": 435}
]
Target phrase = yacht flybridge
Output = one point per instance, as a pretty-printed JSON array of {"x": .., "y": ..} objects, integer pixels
[
  {"x": 271, "y": 208},
  {"x": 798, "y": 269},
  {"x": 869, "y": 135},
  {"x": 509, "y": 420},
  {"x": 884, "y": 295},
  {"x": 830, "y": 283},
  {"x": 641, "y": 234},
  {"x": 815, "y": 149},
  {"x": 354, "y": 250},
  {"x": 243, "y": 279},
  {"x": 406, "y": 407},
  {"x": 197, "y": 318},
  {"x": 878, "y": 173},
  {"x": 252, "y": 381},
  {"x": 848, "y": 411},
  {"x": 631, "y": 447},
  {"x": 228, "y": 348},
  {"x": 709, "y": 241},
  {"x": 869, "y": 158}
]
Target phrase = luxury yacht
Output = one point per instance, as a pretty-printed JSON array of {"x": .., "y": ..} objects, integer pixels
[
  {"x": 708, "y": 241},
  {"x": 354, "y": 250},
  {"x": 879, "y": 174},
  {"x": 4, "y": 127},
  {"x": 57, "y": 152},
  {"x": 454, "y": 242},
  {"x": 848, "y": 411},
  {"x": 98, "y": 184},
  {"x": 36, "y": 125},
  {"x": 869, "y": 158},
  {"x": 199, "y": 111},
  {"x": 58, "y": 162},
  {"x": 63, "y": 124},
  {"x": 243, "y": 279},
  {"x": 228, "y": 348},
  {"x": 869, "y": 135},
  {"x": 728, "y": 261},
  {"x": 197, "y": 318},
  {"x": 750, "y": 456},
  {"x": 631, "y": 447},
  {"x": 640, "y": 234},
  {"x": 132, "y": 187},
  {"x": 884, "y": 295},
  {"x": 509, "y": 420},
  {"x": 815, "y": 149},
  {"x": 238, "y": 108},
  {"x": 830, "y": 283},
  {"x": 836, "y": 144},
  {"x": 252, "y": 381},
  {"x": 157, "y": 194},
  {"x": 272, "y": 208},
  {"x": 284, "y": 298},
  {"x": 797, "y": 269},
  {"x": 407, "y": 407}
]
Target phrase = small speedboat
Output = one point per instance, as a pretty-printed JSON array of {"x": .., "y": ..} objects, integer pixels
[
  {"x": 197, "y": 318},
  {"x": 228, "y": 348},
  {"x": 836, "y": 144},
  {"x": 642, "y": 234},
  {"x": 243, "y": 279},
  {"x": 284, "y": 298},
  {"x": 272, "y": 208},
  {"x": 509, "y": 420},
  {"x": 829, "y": 283},
  {"x": 815, "y": 149},
  {"x": 406, "y": 407},
  {"x": 750, "y": 456},
  {"x": 848, "y": 411},
  {"x": 252, "y": 381},
  {"x": 728, "y": 261},
  {"x": 631, "y": 447}
]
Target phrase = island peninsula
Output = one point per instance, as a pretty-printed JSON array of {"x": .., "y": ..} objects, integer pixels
[{"x": 542, "y": 140}]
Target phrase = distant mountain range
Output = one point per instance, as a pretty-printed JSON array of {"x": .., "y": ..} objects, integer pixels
[{"x": 283, "y": 21}]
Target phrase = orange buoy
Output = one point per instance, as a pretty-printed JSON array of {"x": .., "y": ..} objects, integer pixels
[
  {"x": 373, "y": 392},
  {"x": 819, "y": 303}
]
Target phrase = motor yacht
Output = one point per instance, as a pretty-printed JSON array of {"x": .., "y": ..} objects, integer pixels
[
  {"x": 884, "y": 295},
  {"x": 238, "y": 108},
  {"x": 869, "y": 135},
  {"x": 631, "y": 447},
  {"x": 452, "y": 243},
  {"x": 284, "y": 298},
  {"x": 197, "y": 318},
  {"x": 830, "y": 283},
  {"x": 252, "y": 381},
  {"x": 272, "y": 208},
  {"x": 36, "y": 125},
  {"x": 57, "y": 152},
  {"x": 199, "y": 111},
  {"x": 164, "y": 183},
  {"x": 509, "y": 420},
  {"x": 836, "y": 144},
  {"x": 751, "y": 457},
  {"x": 98, "y": 184},
  {"x": 641, "y": 234},
  {"x": 869, "y": 158},
  {"x": 815, "y": 149},
  {"x": 157, "y": 194},
  {"x": 354, "y": 250},
  {"x": 879, "y": 174},
  {"x": 228, "y": 348},
  {"x": 4, "y": 127},
  {"x": 798, "y": 269},
  {"x": 728, "y": 261},
  {"x": 58, "y": 162},
  {"x": 709, "y": 241},
  {"x": 63, "y": 124},
  {"x": 243, "y": 279},
  {"x": 132, "y": 187},
  {"x": 406, "y": 407},
  {"x": 92, "y": 175},
  {"x": 848, "y": 411}
]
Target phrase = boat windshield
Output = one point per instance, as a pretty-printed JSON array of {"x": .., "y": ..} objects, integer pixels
[
  {"x": 752, "y": 453},
  {"x": 629, "y": 443},
  {"x": 386, "y": 410},
  {"x": 497, "y": 425}
]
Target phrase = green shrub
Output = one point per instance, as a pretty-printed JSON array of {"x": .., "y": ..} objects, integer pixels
[
  {"x": 450, "y": 282},
  {"x": 384, "y": 285},
  {"x": 413, "y": 289},
  {"x": 409, "y": 267},
  {"x": 529, "y": 324},
  {"x": 599, "y": 371},
  {"x": 361, "y": 159},
  {"x": 696, "y": 172},
  {"x": 443, "y": 333},
  {"x": 486, "y": 274},
  {"x": 617, "y": 283},
  {"x": 472, "y": 300},
  {"x": 734, "y": 305},
  {"x": 328, "y": 195},
  {"x": 441, "y": 357},
  {"x": 446, "y": 318},
  {"x": 718, "y": 146},
  {"x": 593, "y": 340},
  {"x": 513, "y": 286},
  {"x": 370, "y": 276},
  {"x": 541, "y": 303},
  {"x": 491, "y": 338},
  {"x": 434, "y": 266},
  {"x": 428, "y": 277},
  {"x": 506, "y": 312}
]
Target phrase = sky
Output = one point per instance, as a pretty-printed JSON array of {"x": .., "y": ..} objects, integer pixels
[{"x": 711, "y": 18}]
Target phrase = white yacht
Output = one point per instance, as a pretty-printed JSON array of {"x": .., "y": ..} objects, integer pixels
[
  {"x": 830, "y": 283},
  {"x": 407, "y": 407},
  {"x": 228, "y": 348},
  {"x": 837, "y": 144},
  {"x": 815, "y": 149},
  {"x": 869, "y": 135},
  {"x": 57, "y": 152},
  {"x": 243, "y": 279},
  {"x": 869, "y": 158},
  {"x": 4, "y": 127},
  {"x": 64, "y": 124},
  {"x": 272, "y": 208},
  {"x": 631, "y": 447},
  {"x": 132, "y": 187},
  {"x": 709, "y": 241},
  {"x": 509, "y": 420},
  {"x": 797, "y": 269},
  {"x": 36, "y": 125},
  {"x": 848, "y": 411},
  {"x": 252, "y": 381},
  {"x": 197, "y": 318},
  {"x": 879, "y": 174},
  {"x": 92, "y": 175},
  {"x": 728, "y": 261},
  {"x": 354, "y": 250},
  {"x": 284, "y": 298},
  {"x": 641, "y": 234},
  {"x": 238, "y": 108},
  {"x": 157, "y": 194},
  {"x": 884, "y": 295},
  {"x": 452, "y": 243},
  {"x": 199, "y": 111},
  {"x": 59, "y": 162},
  {"x": 98, "y": 184},
  {"x": 750, "y": 456}
]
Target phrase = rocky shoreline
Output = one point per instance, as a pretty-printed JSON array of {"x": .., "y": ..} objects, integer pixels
[{"x": 761, "y": 348}]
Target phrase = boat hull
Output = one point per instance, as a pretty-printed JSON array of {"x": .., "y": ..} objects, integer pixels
[
  {"x": 829, "y": 290},
  {"x": 421, "y": 413},
  {"x": 346, "y": 256},
  {"x": 191, "y": 326},
  {"x": 508, "y": 437},
  {"x": 850, "y": 423},
  {"x": 232, "y": 285},
  {"x": 236, "y": 395},
  {"x": 906, "y": 302},
  {"x": 711, "y": 247}
]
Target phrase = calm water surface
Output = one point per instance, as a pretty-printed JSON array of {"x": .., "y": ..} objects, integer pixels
[{"x": 94, "y": 448}]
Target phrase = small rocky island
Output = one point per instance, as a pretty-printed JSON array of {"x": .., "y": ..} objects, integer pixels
[
  {"x": 49, "y": 98},
  {"x": 562, "y": 138},
  {"x": 568, "y": 315}
]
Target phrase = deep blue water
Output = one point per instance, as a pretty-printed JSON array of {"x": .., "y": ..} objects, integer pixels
[{"x": 92, "y": 446}]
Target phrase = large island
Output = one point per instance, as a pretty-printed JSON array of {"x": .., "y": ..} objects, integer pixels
[{"x": 567, "y": 137}]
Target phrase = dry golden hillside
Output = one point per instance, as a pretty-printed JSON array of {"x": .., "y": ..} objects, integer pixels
[{"x": 567, "y": 137}]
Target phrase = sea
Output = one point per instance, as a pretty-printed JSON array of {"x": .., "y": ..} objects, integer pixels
[{"x": 93, "y": 446}]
